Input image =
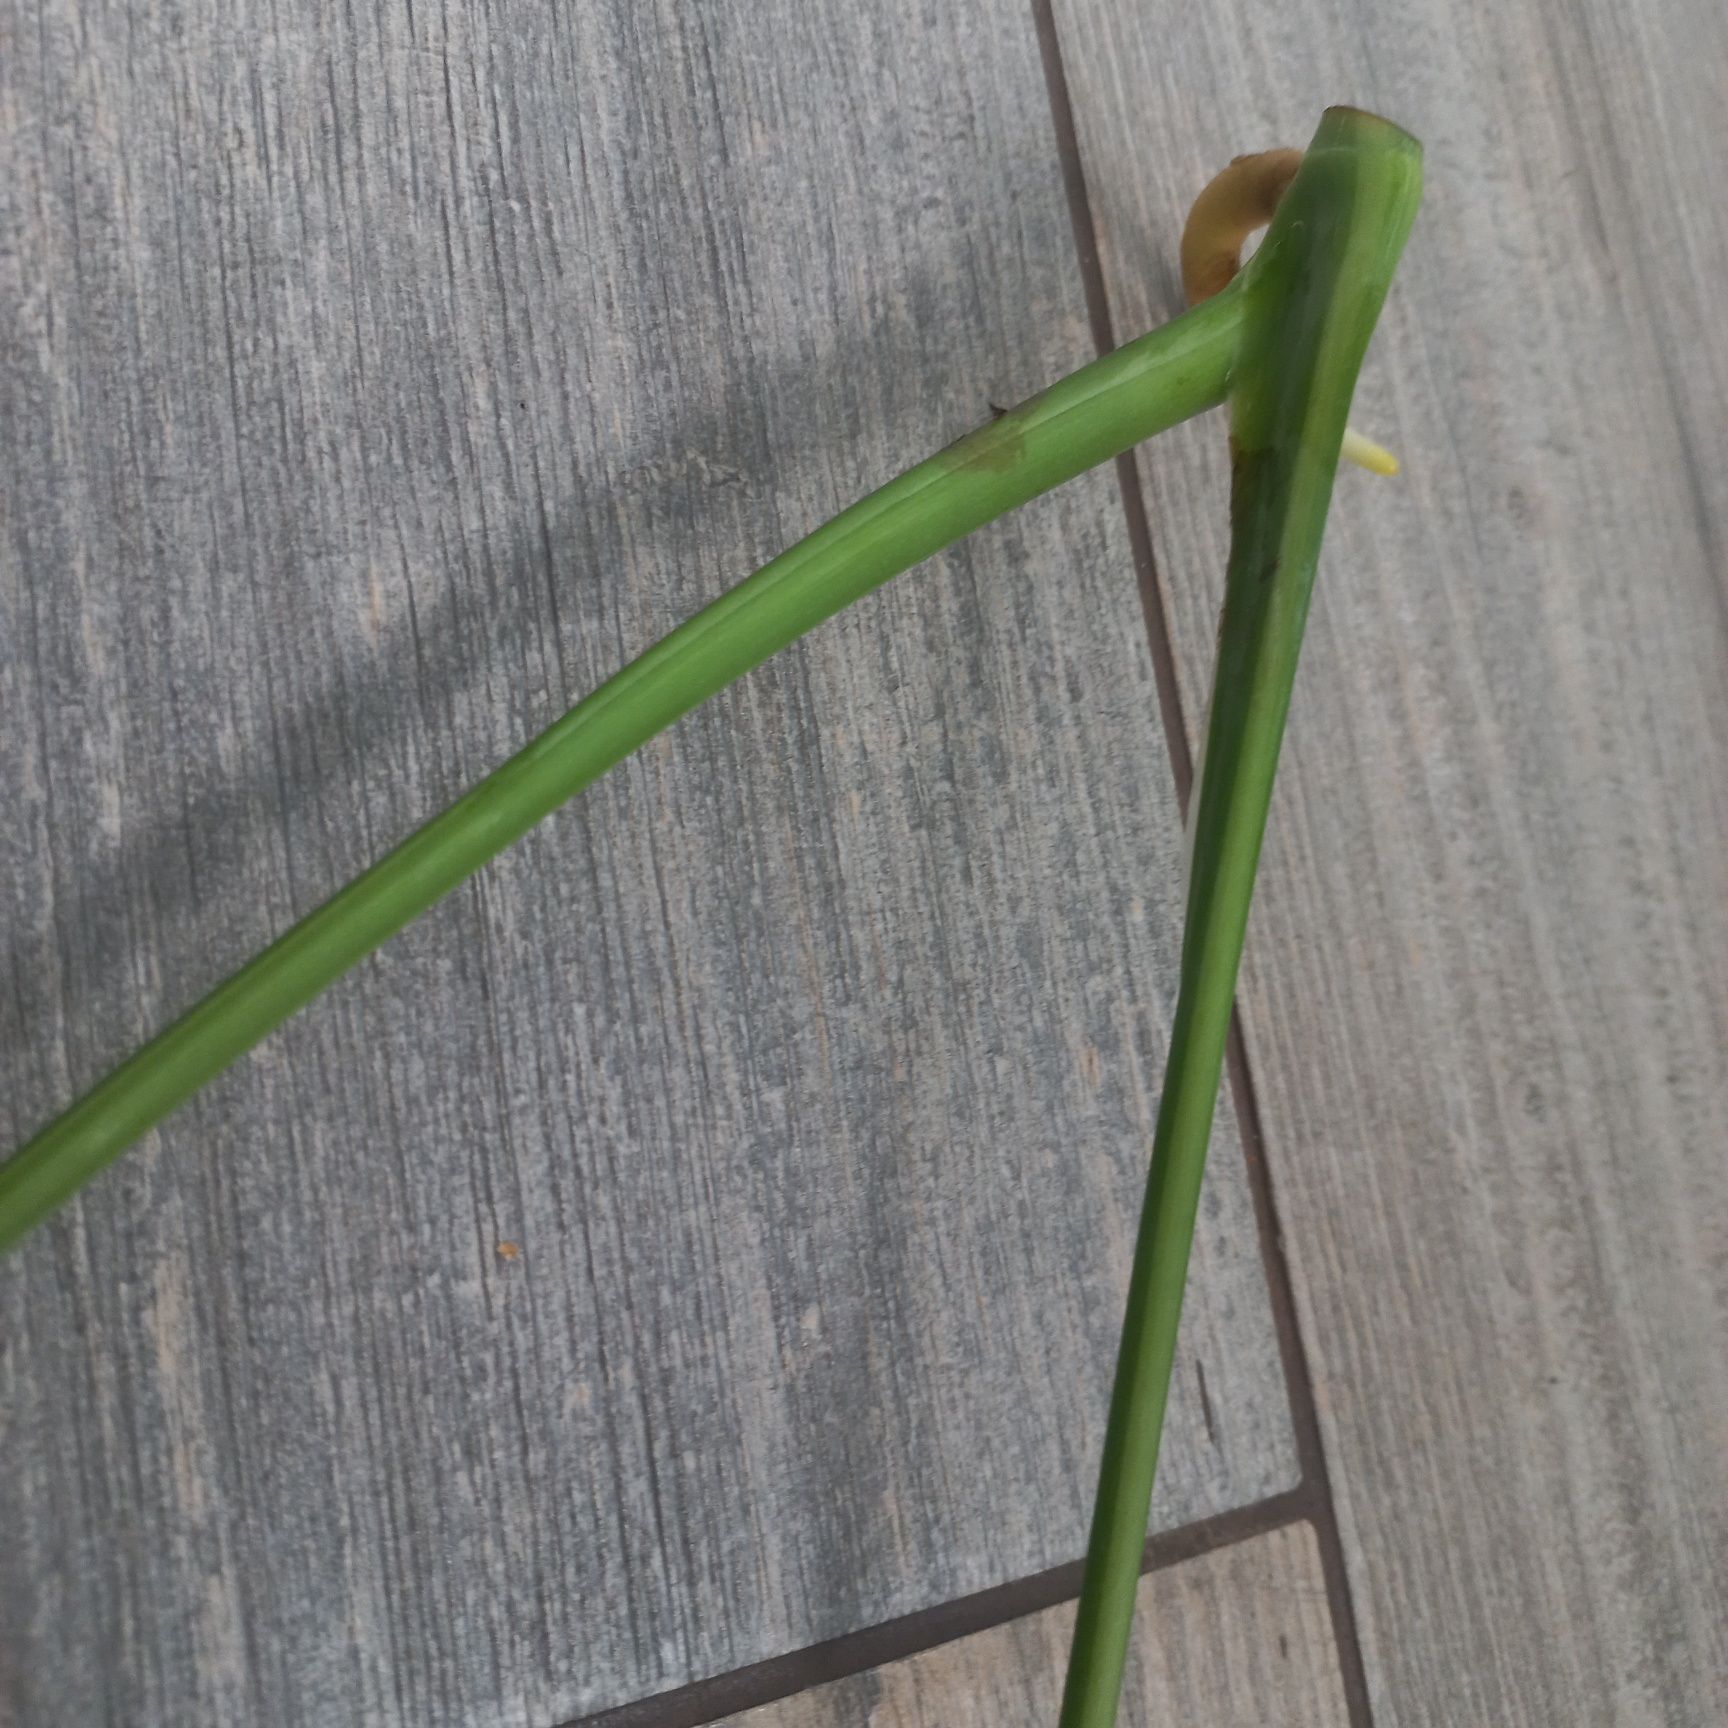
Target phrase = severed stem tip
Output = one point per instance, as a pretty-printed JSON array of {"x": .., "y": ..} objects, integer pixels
[{"x": 1234, "y": 205}]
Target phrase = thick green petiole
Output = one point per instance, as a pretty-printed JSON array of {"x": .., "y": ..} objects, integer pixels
[
  {"x": 1105, "y": 408},
  {"x": 1312, "y": 295}
]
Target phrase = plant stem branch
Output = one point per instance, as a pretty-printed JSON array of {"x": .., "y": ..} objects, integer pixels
[
  {"x": 1088, "y": 417},
  {"x": 1314, "y": 291}
]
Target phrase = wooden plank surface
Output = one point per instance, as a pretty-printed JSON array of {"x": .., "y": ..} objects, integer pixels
[
  {"x": 1487, "y": 989},
  {"x": 706, "y": 1233},
  {"x": 1238, "y": 1638}
]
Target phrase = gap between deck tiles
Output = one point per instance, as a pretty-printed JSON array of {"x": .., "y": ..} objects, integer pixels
[{"x": 781, "y": 1677}]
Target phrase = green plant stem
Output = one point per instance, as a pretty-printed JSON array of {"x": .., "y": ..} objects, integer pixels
[
  {"x": 1085, "y": 419},
  {"x": 1313, "y": 293}
]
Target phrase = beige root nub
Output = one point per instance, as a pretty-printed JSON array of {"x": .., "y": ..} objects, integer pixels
[{"x": 1233, "y": 205}]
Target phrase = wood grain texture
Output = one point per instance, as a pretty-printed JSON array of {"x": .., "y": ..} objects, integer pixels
[
  {"x": 1487, "y": 988},
  {"x": 705, "y": 1234},
  {"x": 1238, "y": 1638}
]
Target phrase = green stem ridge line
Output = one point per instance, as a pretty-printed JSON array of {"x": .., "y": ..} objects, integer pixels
[
  {"x": 1087, "y": 418},
  {"x": 1313, "y": 293}
]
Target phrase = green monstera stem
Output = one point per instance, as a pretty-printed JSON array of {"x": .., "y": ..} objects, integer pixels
[
  {"x": 1283, "y": 341},
  {"x": 1311, "y": 297}
]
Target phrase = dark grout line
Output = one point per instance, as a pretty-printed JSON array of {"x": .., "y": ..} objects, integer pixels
[
  {"x": 1073, "y": 177},
  {"x": 1313, "y": 1496},
  {"x": 1315, "y": 1487},
  {"x": 1097, "y": 299},
  {"x": 780, "y": 1677}
]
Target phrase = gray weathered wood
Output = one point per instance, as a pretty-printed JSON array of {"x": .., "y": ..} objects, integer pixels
[
  {"x": 374, "y": 380},
  {"x": 1487, "y": 987},
  {"x": 1239, "y": 1638}
]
